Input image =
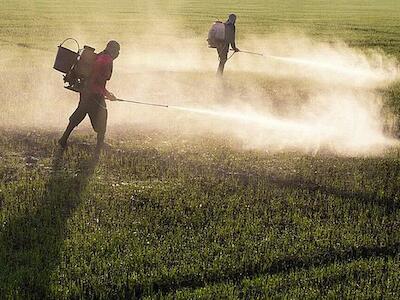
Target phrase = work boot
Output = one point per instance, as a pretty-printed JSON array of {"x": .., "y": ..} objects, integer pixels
[
  {"x": 63, "y": 140},
  {"x": 221, "y": 68},
  {"x": 100, "y": 142}
]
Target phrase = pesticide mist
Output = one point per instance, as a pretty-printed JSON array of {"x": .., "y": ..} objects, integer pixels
[
  {"x": 312, "y": 96},
  {"x": 302, "y": 94}
]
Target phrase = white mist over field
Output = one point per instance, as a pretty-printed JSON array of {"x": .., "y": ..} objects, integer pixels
[{"x": 302, "y": 94}]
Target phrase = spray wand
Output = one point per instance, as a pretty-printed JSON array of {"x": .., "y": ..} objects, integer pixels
[
  {"x": 249, "y": 52},
  {"x": 143, "y": 103}
]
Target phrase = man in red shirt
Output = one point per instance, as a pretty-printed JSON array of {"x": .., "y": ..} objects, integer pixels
[{"x": 93, "y": 95}]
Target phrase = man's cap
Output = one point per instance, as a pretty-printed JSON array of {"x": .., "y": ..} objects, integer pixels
[
  {"x": 113, "y": 45},
  {"x": 232, "y": 19}
]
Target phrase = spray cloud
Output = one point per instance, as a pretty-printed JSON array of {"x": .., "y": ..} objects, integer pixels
[{"x": 302, "y": 94}]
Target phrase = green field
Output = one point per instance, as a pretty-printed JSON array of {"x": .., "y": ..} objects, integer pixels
[
  {"x": 164, "y": 215},
  {"x": 360, "y": 23}
]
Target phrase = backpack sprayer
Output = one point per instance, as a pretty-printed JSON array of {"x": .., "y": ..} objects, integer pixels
[
  {"x": 216, "y": 34},
  {"x": 76, "y": 66}
]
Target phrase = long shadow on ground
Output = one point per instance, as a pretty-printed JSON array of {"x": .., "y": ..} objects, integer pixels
[
  {"x": 387, "y": 202},
  {"x": 30, "y": 244},
  {"x": 278, "y": 266},
  {"x": 289, "y": 263}
]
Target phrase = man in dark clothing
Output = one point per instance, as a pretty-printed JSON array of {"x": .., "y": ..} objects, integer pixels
[
  {"x": 223, "y": 48},
  {"x": 93, "y": 95}
]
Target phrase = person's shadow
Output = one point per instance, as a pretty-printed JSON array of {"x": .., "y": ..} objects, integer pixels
[{"x": 30, "y": 244}]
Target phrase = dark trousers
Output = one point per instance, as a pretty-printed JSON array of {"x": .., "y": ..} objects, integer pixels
[
  {"x": 222, "y": 50},
  {"x": 94, "y": 106}
]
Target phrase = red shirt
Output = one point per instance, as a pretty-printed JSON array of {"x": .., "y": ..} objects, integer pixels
[{"x": 101, "y": 72}]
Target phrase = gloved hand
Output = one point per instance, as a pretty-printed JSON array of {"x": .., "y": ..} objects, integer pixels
[{"x": 110, "y": 96}]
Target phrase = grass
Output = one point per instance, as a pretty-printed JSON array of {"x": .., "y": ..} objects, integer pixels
[
  {"x": 196, "y": 220},
  {"x": 168, "y": 217}
]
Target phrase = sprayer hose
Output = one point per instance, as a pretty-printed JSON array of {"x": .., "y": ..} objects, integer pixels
[{"x": 230, "y": 56}]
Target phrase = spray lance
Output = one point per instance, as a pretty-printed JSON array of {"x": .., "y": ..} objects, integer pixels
[
  {"x": 143, "y": 103},
  {"x": 242, "y": 51},
  {"x": 248, "y": 52}
]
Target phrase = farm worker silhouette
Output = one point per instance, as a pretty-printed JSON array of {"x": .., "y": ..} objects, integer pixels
[
  {"x": 93, "y": 95},
  {"x": 223, "y": 47}
]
